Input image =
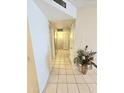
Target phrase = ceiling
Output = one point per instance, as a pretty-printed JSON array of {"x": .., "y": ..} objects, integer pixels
[
  {"x": 84, "y": 3},
  {"x": 78, "y": 4},
  {"x": 60, "y": 15},
  {"x": 51, "y": 12}
]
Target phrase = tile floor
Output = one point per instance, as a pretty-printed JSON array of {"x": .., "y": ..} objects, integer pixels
[{"x": 65, "y": 78}]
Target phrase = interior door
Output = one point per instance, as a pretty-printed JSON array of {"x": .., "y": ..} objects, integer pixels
[
  {"x": 66, "y": 40},
  {"x": 62, "y": 40}
]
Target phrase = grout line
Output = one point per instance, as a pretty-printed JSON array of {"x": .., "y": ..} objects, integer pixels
[
  {"x": 76, "y": 83},
  {"x": 87, "y": 84},
  {"x": 44, "y": 90},
  {"x": 89, "y": 88},
  {"x": 57, "y": 84},
  {"x": 66, "y": 81},
  {"x": 75, "y": 78},
  {"x": 63, "y": 62},
  {"x": 66, "y": 75}
]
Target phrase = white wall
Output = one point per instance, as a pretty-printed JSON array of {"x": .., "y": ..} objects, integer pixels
[
  {"x": 52, "y": 34},
  {"x": 52, "y": 46},
  {"x": 32, "y": 83},
  {"x": 38, "y": 24},
  {"x": 72, "y": 32},
  {"x": 86, "y": 28}
]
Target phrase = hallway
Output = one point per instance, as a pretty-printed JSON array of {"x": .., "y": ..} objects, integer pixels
[{"x": 65, "y": 78}]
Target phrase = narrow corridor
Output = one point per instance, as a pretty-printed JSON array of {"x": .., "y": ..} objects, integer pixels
[{"x": 64, "y": 78}]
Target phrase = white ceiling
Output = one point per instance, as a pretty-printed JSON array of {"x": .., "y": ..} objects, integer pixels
[
  {"x": 60, "y": 15},
  {"x": 84, "y": 3},
  {"x": 51, "y": 12},
  {"x": 78, "y": 4}
]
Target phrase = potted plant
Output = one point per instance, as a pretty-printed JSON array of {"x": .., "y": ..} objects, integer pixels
[{"x": 84, "y": 58}]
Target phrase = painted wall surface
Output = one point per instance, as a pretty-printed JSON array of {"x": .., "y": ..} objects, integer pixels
[
  {"x": 86, "y": 28},
  {"x": 32, "y": 83},
  {"x": 72, "y": 32},
  {"x": 39, "y": 28},
  {"x": 52, "y": 47}
]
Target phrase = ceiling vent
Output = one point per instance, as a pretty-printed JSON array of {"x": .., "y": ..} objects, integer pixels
[{"x": 61, "y": 2}]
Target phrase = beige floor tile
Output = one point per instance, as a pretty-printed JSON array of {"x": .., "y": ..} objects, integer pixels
[
  {"x": 62, "y": 88},
  {"x": 62, "y": 79},
  {"x": 56, "y": 66},
  {"x": 62, "y": 63},
  {"x": 71, "y": 79},
  {"x": 72, "y": 88},
  {"x": 67, "y": 60},
  {"x": 57, "y": 63},
  {"x": 55, "y": 71},
  {"x": 69, "y": 71},
  {"x": 76, "y": 72},
  {"x": 68, "y": 66},
  {"x": 95, "y": 71},
  {"x": 62, "y": 71},
  {"x": 51, "y": 88},
  {"x": 53, "y": 79},
  {"x": 88, "y": 79},
  {"x": 57, "y": 58},
  {"x": 83, "y": 88},
  {"x": 79, "y": 79},
  {"x": 61, "y": 60},
  {"x": 62, "y": 66},
  {"x": 94, "y": 77},
  {"x": 93, "y": 88},
  {"x": 91, "y": 72},
  {"x": 67, "y": 63},
  {"x": 65, "y": 78}
]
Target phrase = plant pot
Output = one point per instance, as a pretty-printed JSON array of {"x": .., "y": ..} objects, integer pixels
[{"x": 83, "y": 69}]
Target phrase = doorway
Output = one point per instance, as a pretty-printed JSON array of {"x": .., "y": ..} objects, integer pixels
[{"x": 62, "y": 39}]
